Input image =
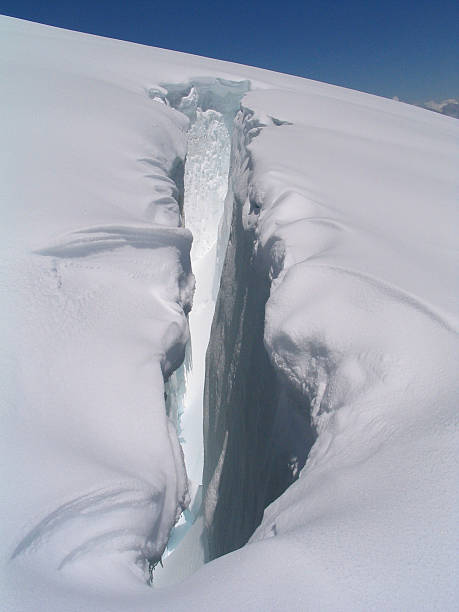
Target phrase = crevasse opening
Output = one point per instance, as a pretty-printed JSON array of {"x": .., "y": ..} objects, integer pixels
[
  {"x": 257, "y": 430},
  {"x": 206, "y": 183},
  {"x": 205, "y": 188}
]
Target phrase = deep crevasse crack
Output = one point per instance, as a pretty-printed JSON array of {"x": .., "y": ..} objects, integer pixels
[
  {"x": 206, "y": 181},
  {"x": 205, "y": 188},
  {"x": 257, "y": 432}
]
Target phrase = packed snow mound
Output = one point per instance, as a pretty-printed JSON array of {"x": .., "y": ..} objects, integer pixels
[{"x": 350, "y": 204}]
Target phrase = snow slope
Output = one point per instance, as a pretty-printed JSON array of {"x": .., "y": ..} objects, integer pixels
[{"x": 349, "y": 200}]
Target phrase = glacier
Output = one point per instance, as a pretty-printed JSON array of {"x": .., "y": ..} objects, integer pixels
[{"x": 229, "y": 321}]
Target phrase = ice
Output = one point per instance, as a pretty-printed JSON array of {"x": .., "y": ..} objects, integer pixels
[
  {"x": 206, "y": 183},
  {"x": 206, "y": 180},
  {"x": 257, "y": 434}
]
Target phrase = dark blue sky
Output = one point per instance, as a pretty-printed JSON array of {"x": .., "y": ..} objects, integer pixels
[{"x": 405, "y": 48}]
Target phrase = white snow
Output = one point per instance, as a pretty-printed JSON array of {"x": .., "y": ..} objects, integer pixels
[{"x": 353, "y": 204}]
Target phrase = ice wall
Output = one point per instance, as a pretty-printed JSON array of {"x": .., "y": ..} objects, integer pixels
[
  {"x": 206, "y": 180},
  {"x": 257, "y": 430}
]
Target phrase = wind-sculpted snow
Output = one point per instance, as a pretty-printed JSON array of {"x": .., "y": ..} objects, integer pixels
[
  {"x": 90, "y": 508},
  {"x": 93, "y": 239},
  {"x": 333, "y": 357}
]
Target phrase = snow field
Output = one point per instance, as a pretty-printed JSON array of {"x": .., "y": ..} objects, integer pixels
[{"x": 350, "y": 201}]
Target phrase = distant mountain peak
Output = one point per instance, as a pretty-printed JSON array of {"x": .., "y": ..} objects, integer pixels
[{"x": 448, "y": 107}]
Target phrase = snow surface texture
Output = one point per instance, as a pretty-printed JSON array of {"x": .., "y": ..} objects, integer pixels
[{"x": 348, "y": 203}]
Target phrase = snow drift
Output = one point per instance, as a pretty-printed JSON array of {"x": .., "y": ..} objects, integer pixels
[{"x": 330, "y": 375}]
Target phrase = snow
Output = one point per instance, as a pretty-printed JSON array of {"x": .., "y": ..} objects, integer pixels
[{"x": 350, "y": 202}]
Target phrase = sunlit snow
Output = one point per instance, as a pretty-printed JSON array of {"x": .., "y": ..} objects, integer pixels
[{"x": 342, "y": 207}]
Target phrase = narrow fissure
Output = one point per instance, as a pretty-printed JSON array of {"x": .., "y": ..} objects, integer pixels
[
  {"x": 206, "y": 181},
  {"x": 210, "y": 104},
  {"x": 257, "y": 432},
  {"x": 261, "y": 425}
]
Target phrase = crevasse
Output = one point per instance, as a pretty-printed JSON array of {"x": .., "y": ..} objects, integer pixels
[
  {"x": 206, "y": 179},
  {"x": 256, "y": 430},
  {"x": 210, "y": 106}
]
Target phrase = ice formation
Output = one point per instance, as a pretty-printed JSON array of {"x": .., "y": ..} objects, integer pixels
[
  {"x": 330, "y": 384},
  {"x": 206, "y": 183},
  {"x": 205, "y": 190}
]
